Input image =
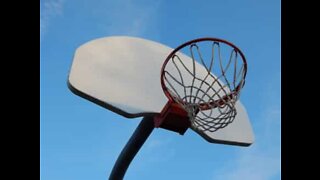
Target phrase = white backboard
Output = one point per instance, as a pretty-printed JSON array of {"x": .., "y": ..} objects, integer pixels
[{"x": 122, "y": 74}]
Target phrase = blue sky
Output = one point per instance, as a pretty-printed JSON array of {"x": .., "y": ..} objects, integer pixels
[{"x": 80, "y": 140}]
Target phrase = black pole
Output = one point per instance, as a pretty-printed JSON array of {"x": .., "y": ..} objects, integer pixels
[{"x": 132, "y": 147}]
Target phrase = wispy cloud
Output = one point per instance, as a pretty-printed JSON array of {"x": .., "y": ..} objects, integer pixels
[
  {"x": 48, "y": 10},
  {"x": 135, "y": 19},
  {"x": 262, "y": 160},
  {"x": 159, "y": 150},
  {"x": 251, "y": 167}
]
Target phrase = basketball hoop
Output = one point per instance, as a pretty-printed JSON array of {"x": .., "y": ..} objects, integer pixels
[{"x": 206, "y": 101}]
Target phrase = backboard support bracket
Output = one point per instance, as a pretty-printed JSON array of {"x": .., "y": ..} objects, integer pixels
[{"x": 173, "y": 118}]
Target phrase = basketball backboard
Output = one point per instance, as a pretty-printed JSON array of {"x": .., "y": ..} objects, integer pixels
[{"x": 122, "y": 74}]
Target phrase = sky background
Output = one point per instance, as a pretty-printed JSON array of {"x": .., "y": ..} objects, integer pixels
[{"x": 81, "y": 140}]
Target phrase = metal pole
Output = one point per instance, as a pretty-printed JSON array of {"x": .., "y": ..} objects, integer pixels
[{"x": 132, "y": 147}]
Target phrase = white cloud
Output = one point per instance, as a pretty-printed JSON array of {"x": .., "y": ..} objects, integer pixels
[
  {"x": 261, "y": 161},
  {"x": 48, "y": 10},
  {"x": 159, "y": 150},
  {"x": 253, "y": 166},
  {"x": 121, "y": 17},
  {"x": 129, "y": 17}
]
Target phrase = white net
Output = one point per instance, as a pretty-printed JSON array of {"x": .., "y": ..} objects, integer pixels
[{"x": 206, "y": 85}]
